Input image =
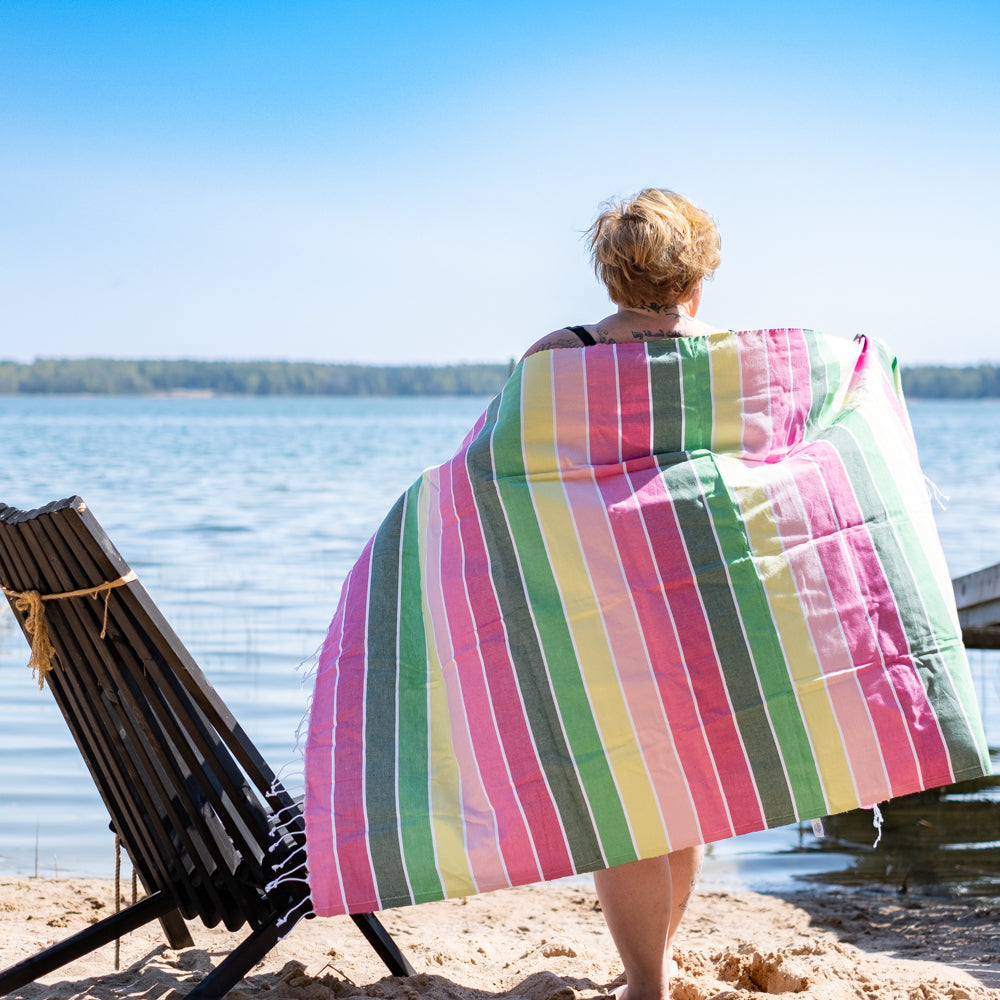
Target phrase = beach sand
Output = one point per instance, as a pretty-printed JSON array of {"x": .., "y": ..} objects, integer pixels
[{"x": 539, "y": 943}]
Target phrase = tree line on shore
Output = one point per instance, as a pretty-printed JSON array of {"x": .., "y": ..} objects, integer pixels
[
  {"x": 945, "y": 382},
  {"x": 104, "y": 376}
]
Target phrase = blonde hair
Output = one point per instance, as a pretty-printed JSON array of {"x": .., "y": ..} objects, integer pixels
[{"x": 653, "y": 248}]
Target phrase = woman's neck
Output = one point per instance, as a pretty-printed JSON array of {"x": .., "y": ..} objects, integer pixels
[
  {"x": 650, "y": 322},
  {"x": 655, "y": 311}
]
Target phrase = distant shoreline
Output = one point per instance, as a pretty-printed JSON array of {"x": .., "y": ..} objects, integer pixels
[
  {"x": 204, "y": 379},
  {"x": 106, "y": 376}
]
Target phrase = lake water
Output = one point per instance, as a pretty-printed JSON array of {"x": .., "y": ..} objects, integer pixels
[{"x": 242, "y": 516}]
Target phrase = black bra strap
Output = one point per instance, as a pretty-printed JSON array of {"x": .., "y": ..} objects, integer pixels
[{"x": 588, "y": 340}]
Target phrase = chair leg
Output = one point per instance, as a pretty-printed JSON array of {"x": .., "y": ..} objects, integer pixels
[
  {"x": 85, "y": 941},
  {"x": 243, "y": 958},
  {"x": 386, "y": 949},
  {"x": 221, "y": 979},
  {"x": 239, "y": 961},
  {"x": 176, "y": 931}
]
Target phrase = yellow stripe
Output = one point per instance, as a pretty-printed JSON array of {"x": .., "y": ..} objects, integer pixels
[
  {"x": 583, "y": 616},
  {"x": 445, "y": 788},
  {"x": 793, "y": 631},
  {"x": 727, "y": 397},
  {"x": 537, "y": 417}
]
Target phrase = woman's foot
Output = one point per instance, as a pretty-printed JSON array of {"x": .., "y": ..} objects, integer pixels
[{"x": 619, "y": 992}]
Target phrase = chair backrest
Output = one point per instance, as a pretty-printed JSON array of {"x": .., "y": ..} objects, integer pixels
[{"x": 188, "y": 793}]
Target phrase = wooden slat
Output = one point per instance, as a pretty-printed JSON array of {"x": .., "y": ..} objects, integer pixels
[
  {"x": 144, "y": 767},
  {"x": 146, "y": 784},
  {"x": 193, "y": 770},
  {"x": 981, "y": 638},
  {"x": 981, "y": 587},
  {"x": 132, "y": 794},
  {"x": 22, "y": 574},
  {"x": 190, "y": 675},
  {"x": 977, "y": 596},
  {"x": 230, "y": 847},
  {"x": 175, "y": 680},
  {"x": 211, "y": 767},
  {"x": 187, "y": 672}
]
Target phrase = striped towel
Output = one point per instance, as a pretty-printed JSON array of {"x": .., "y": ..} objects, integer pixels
[{"x": 664, "y": 594}]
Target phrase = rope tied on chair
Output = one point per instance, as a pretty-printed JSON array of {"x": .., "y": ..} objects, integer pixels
[{"x": 32, "y": 604}]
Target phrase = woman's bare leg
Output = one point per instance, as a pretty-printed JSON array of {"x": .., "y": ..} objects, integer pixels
[
  {"x": 643, "y": 903},
  {"x": 636, "y": 900},
  {"x": 685, "y": 867}
]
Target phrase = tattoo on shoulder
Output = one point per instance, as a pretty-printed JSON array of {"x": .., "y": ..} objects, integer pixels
[
  {"x": 556, "y": 342},
  {"x": 649, "y": 334}
]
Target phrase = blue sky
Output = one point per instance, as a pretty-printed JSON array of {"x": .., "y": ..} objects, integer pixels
[{"x": 398, "y": 183}]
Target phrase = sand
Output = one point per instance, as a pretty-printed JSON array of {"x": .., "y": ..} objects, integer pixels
[{"x": 539, "y": 943}]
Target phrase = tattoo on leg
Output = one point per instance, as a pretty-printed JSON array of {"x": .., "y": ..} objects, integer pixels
[{"x": 694, "y": 882}]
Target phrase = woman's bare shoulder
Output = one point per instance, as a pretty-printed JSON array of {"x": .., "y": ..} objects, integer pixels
[{"x": 555, "y": 341}]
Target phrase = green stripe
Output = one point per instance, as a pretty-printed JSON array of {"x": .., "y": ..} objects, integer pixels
[
  {"x": 890, "y": 367},
  {"x": 380, "y": 709},
  {"x": 696, "y": 385},
  {"x": 414, "y": 741},
  {"x": 665, "y": 396},
  {"x": 754, "y": 665},
  {"x": 767, "y": 660},
  {"x": 917, "y": 592},
  {"x": 824, "y": 377},
  {"x": 541, "y": 647},
  {"x": 702, "y": 502}
]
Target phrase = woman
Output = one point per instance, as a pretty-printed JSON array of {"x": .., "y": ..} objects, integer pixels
[
  {"x": 676, "y": 585},
  {"x": 653, "y": 253}
]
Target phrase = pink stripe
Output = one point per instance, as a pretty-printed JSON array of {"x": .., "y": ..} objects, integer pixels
[
  {"x": 799, "y": 387},
  {"x": 324, "y": 882},
  {"x": 522, "y": 766},
  {"x": 729, "y": 778},
  {"x": 892, "y": 686},
  {"x": 351, "y": 848},
  {"x": 727, "y": 803},
  {"x": 515, "y": 844},
  {"x": 755, "y": 387},
  {"x": 840, "y": 567},
  {"x": 443, "y": 580},
  {"x": 790, "y": 497},
  {"x": 621, "y": 630},
  {"x": 603, "y": 426},
  {"x": 473, "y": 432},
  {"x": 616, "y": 512},
  {"x": 634, "y": 403}
]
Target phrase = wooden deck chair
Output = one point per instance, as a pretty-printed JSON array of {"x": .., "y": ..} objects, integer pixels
[{"x": 194, "y": 803}]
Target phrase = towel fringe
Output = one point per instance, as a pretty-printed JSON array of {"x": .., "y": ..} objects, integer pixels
[
  {"x": 288, "y": 877},
  {"x": 294, "y": 856},
  {"x": 276, "y": 819},
  {"x": 285, "y": 827},
  {"x": 877, "y": 822},
  {"x": 935, "y": 493}
]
